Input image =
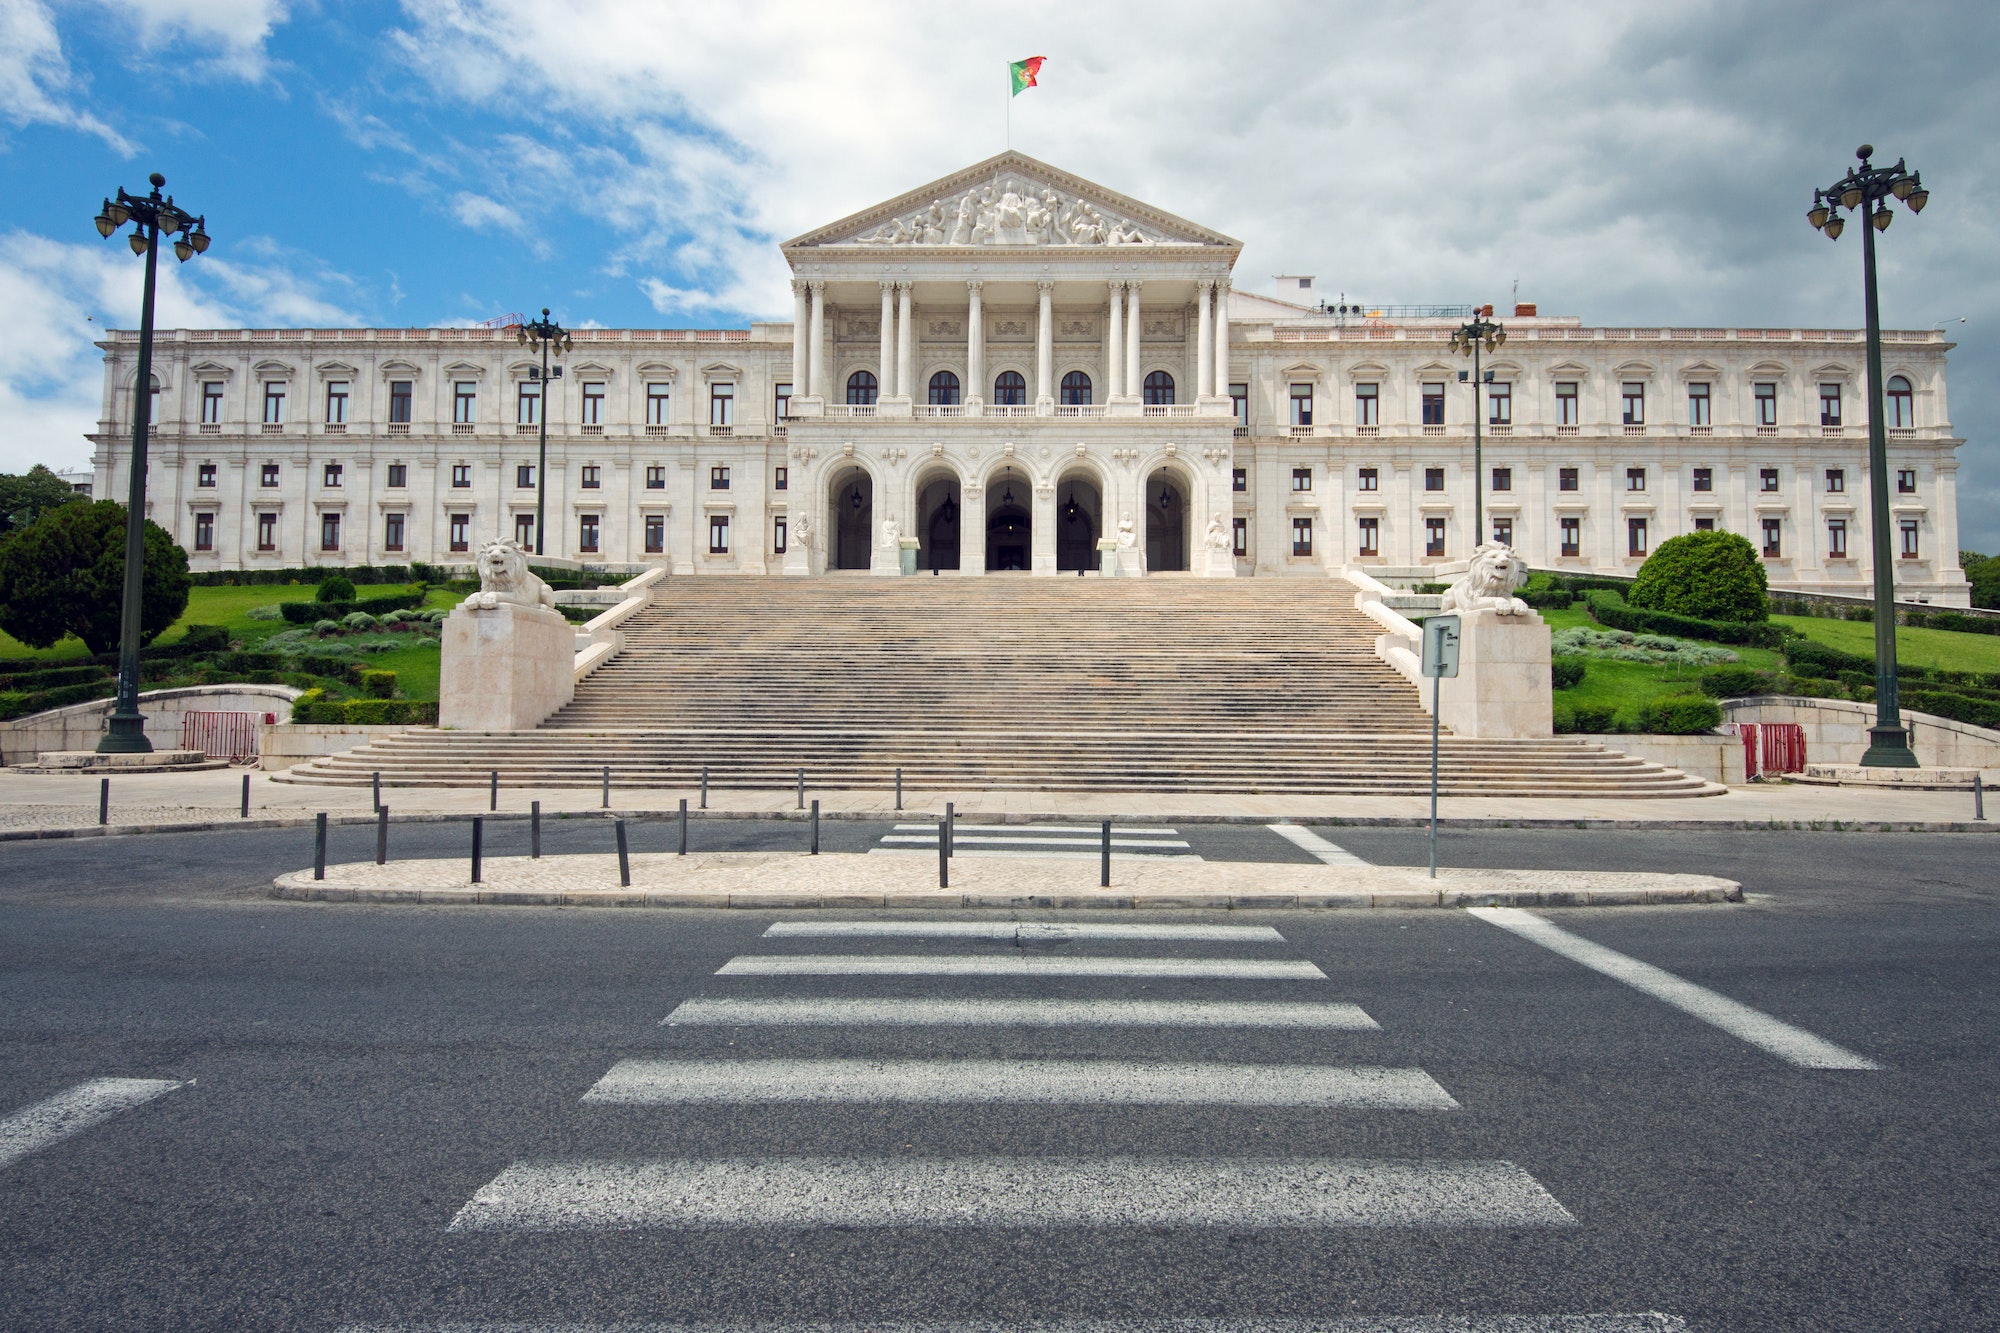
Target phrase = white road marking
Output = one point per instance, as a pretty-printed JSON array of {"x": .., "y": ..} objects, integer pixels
[
  {"x": 1072, "y": 1082},
  {"x": 975, "y": 840},
  {"x": 1306, "y": 840},
  {"x": 1012, "y": 965},
  {"x": 1026, "y": 1013},
  {"x": 1780, "y": 1038},
  {"x": 1135, "y": 830},
  {"x": 1506, "y": 1323},
  {"x": 1008, "y": 1192},
  {"x": 1039, "y": 853},
  {"x": 72, "y": 1111},
  {"x": 1026, "y": 930}
]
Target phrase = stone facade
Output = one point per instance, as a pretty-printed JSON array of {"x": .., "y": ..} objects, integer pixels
[{"x": 1008, "y": 365}]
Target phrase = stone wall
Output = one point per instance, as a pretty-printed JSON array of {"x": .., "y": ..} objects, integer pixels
[
  {"x": 280, "y": 747},
  {"x": 1717, "y": 758},
  {"x": 1837, "y": 731},
  {"x": 80, "y": 726}
]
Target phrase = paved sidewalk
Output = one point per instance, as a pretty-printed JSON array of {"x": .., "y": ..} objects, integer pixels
[{"x": 34, "y": 804}]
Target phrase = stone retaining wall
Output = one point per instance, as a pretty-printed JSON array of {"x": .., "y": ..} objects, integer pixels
[
  {"x": 1837, "y": 730},
  {"x": 280, "y": 747},
  {"x": 80, "y": 726}
]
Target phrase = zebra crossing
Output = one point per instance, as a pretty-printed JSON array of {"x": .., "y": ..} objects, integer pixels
[{"x": 1069, "y": 842}]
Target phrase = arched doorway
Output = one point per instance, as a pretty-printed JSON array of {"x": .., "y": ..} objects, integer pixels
[
  {"x": 1166, "y": 522},
  {"x": 938, "y": 516},
  {"x": 852, "y": 521},
  {"x": 1079, "y": 522},
  {"x": 1008, "y": 525}
]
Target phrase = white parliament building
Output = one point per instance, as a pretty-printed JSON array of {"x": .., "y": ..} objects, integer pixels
[{"x": 1007, "y": 367}]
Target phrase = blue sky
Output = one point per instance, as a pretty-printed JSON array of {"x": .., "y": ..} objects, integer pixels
[{"x": 444, "y": 161}]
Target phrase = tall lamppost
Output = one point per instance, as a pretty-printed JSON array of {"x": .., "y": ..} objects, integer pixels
[
  {"x": 546, "y": 333},
  {"x": 1866, "y": 190},
  {"x": 1473, "y": 335},
  {"x": 153, "y": 216}
]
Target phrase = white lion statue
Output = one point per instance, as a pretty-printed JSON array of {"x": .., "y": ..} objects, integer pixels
[
  {"x": 1489, "y": 584},
  {"x": 504, "y": 579}
]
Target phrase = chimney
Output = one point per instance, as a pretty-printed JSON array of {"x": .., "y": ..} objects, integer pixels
[
  {"x": 1486, "y": 311},
  {"x": 1524, "y": 310}
]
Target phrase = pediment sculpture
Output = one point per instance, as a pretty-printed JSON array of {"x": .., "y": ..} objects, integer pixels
[{"x": 1009, "y": 210}]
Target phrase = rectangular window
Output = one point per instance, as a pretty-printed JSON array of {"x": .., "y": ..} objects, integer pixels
[
  {"x": 1635, "y": 479},
  {"x": 1635, "y": 404},
  {"x": 782, "y": 404},
  {"x": 1906, "y": 481},
  {"x": 656, "y": 533},
  {"x": 1767, "y": 404},
  {"x": 528, "y": 404},
  {"x": 1635, "y": 537},
  {"x": 1698, "y": 405},
  {"x": 461, "y": 475},
  {"x": 1836, "y": 481},
  {"x": 211, "y": 403},
  {"x": 1239, "y": 479},
  {"x": 524, "y": 531},
  {"x": 329, "y": 475},
  {"x": 464, "y": 403},
  {"x": 1572, "y": 536},
  {"x": 1704, "y": 479},
  {"x": 590, "y": 476},
  {"x": 1566, "y": 479},
  {"x": 1503, "y": 531},
  {"x": 1499, "y": 404},
  {"x": 399, "y": 474},
  {"x": 274, "y": 403},
  {"x": 1302, "y": 478},
  {"x": 586, "y": 534},
  {"x": 1566, "y": 403},
  {"x": 392, "y": 532},
  {"x": 718, "y": 478},
  {"x": 1909, "y": 529},
  {"x": 1370, "y": 479},
  {"x": 459, "y": 532},
  {"x": 1433, "y": 478},
  {"x": 1434, "y": 537},
  {"x": 1704, "y": 524},
  {"x": 1239, "y": 404},
  {"x": 1367, "y": 404},
  {"x": 781, "y": 479},
  {"x": 1836, "y": 539},
  {"x": 1302, "y": 536},
  {"x": 524, "y": 476},
  {"x": 204, "y": 475},
  {"x": 1829, "y": 404},
  {"x": 1302, "y": 404},
  {"x": 267, "y": 532},
  {"x": 593, "y": 404},
  {"x": 722, "y": 404},
  {"x": 336, "y": 402},
  {"x": 1767, "y": 479},
  {"x": 1434, "y": 404},
  {"x": 1773, "y": 534},
  {"x": 329, "y": 532},
  {"x": 1503, "y": 479},
  {"x": 399, "y": 402},
  {"x": 718, "y": 534},
  {"x": 204, "y": 532},
  {"x": 1370, "y": 539},
  {"x": 656, "y": 403},
  {"x": 780, "y": 534},
  {"x": 656, "y": 478},
  {"x": 267, "y": 475},
  {"x": 1239, "y": 537}
]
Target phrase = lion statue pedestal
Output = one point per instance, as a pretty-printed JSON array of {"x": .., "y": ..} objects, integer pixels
[
  {"x": 508, "y": 655},
  {"x": 1503, "y": 686}
]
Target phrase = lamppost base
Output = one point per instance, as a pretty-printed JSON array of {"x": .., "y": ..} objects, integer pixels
[
  {"x": 1889, "y": 747},
  {"x": 125, "y": 734}
]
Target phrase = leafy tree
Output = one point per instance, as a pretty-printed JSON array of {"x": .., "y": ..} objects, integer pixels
[
  {"x": 1983, "y": 571},
  {"x": 65, "y": 574},
  {"x": 335, "y": 588},
  {"x": 25, "y": 498},
  {"x": 1706, "y": 575}
]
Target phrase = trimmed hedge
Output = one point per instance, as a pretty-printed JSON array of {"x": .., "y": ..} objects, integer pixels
[
  {"x": 1595, "y": 719},
  {"x": 1567, "y": 672},
  {"x": 40, "y": 701},
  {"x": 307, "y": 613},
  {"x": 367, "y": 712},
  {"x": 311, "y": 576},
  {"x": 1957, "y": 707},
  {"x": 53, "y": 678},
  {"x": 1732, "y": 682},
  {"x": 1705, "y": 576},
  {"x": 1608, "y": 608},
  {"x": 379, "y": 684},
  {"x": 1680, "y": 715}
]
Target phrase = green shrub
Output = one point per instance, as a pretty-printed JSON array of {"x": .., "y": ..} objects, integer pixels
[
  {"x": 64, "y": 573},
  {"x": 1733, "y": 682},
  {"x": 1608, "y": 608},
  {"x": 1704, "y": 576},
  {"x": 1680, "y": 715},
  {"x": 335, "y": 588},
  {"x": 367, "y": 712},
  {"x": 1547, "y": 599},
  {"x": 205, "y": 639},
  {"x": 379, "y": 684},
  {"x": 325, "y": 664},
  {"x": 326, "y": 627},
  {"x": 268, "y": 612},
  {"x": 1567, "y": 672},
  {"x": 1589, "y": 718},
  {"x": 1958, "y": 707},
  {"x": 305, "y": 613},
  {"x": 358, "y": 620}
]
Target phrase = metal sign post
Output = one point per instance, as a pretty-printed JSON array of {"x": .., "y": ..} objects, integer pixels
[{"x": 1440, "y": 660}]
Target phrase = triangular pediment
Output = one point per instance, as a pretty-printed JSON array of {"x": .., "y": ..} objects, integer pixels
[{"x": 1010, "y": 201}]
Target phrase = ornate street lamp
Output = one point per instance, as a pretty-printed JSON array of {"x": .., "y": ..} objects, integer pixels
[
  {"x": 1866, "y": 190},
  {"x": 1479, "y": 333},
  {"x": 153, "y": 217},
  {"x": 546, "y": 333}
]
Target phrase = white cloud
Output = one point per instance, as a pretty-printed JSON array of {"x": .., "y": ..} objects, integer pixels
[
  {"x": 478, "y": 211},
  {"x": 36, "y": 83},
  {"x": 232, "y": 33}
]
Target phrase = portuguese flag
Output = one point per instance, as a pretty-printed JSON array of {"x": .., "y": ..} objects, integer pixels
[{"x": 1023, "y": 73}]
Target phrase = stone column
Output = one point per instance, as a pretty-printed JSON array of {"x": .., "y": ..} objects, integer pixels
[
  {"x": 800, "y": 315},
  {"x": 906, "y": 352},
  {"x": 1045, "y": 345},
  {"x": 816, "y": 371},
  {"x": 885, "y": 386},
  {"x": 1204, "y": 345},
  {"x": 975, "y": 344},
  {"x": 1134, "y": 330},
  {"x": 1221, "y": 370},
  {"x": 1042, "y": 532},
  {"x": 972, "y": 528},
  {"x": 1114, "y": 342}
]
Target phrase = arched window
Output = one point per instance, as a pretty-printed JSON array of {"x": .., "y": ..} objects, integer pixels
[
  {"x": 861, "y": 388},
  {"x": 1010, "y": 390},
  {"x": 1076, "y": 389},
  {"x": 1159, "y": 389},
  {"x": 1902, "y": 403},
  {"x": 944, "y": 389}
]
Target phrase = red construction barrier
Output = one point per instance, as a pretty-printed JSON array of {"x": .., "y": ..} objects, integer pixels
[
  {"x": 1748, "y": 731},
  {"x": 1784, "y": 745},
  {"x": 231, "y": 736}
]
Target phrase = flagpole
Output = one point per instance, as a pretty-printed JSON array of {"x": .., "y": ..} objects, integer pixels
[{"x": 1010, "y": 108}]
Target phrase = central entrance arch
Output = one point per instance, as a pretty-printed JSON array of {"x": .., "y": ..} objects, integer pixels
[
  {"x": 1166, "y": 522},
  {"x": 1079, "y": 521},
  {"x": 938, "y": 516},
  {"x": 852, "y": 520},
  {"x": 1008, "y": 525}
]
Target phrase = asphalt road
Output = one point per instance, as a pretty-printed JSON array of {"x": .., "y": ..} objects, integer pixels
[{"x": 353, "y": 1078}]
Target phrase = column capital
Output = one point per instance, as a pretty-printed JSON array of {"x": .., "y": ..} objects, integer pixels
[
  {"x": 799, "y": 286},
  {"x": 1205, "y": 284},
  {"x": 904, "y": 285},
  {"x": 818, "y": 285},
  {"x": 1045, "y": 285},
  {"x": 887, "y": 284},
  {"x": 1134, "y": 284},
  {"x": 974, "y": 284}
]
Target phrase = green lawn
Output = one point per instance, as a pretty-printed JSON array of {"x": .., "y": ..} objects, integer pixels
[{"x": 1942, "y": 648}]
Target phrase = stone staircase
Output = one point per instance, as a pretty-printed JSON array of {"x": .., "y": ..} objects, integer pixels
[{"x": 1000, "y": 683}]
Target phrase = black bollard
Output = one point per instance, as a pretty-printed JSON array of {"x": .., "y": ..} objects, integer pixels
[
  {"x": 607, "y": 786},
  {"x": 704, "y": 786},
  {"x": 478, "y": 845},
  {"x": 319, "y": 845},
  {"x": 899, "y": 789},
  {"x": 1978, "y": 795},
  {"x": 950, "y": 828},
  {"x": 493, "y": 799},
  {"x": 104, "y": 801},
  {"x": 944, "y": 858},
  {"x": 246, "y": 796},
  {"x": 381, "y": 835},
  {"x": 377, "y": 780},
  {"x": 802, "y": 789},
  {"x": 815, "y": 850},
  {"x": 1104, "y": 858},
  {"x": 624, "y": 859},
  {"x": 535, "y": 830},
  {"x": 684, "y": 826}
]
